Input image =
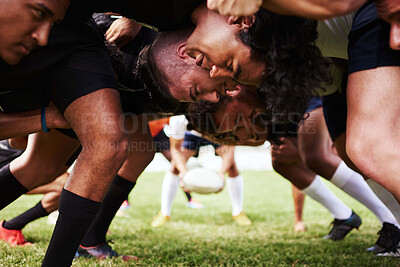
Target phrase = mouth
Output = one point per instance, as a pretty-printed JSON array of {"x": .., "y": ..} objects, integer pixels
[
  {"x": 199, "y": 60},
  {"x": 26, "y": 49},
  {"x": 225, "y": 88},
  {"x": 229, "y": 87}
]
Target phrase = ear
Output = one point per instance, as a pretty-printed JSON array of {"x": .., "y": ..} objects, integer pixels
[
  {"x": 241, "y": 21},
  {"x": 181, "y": 51}
]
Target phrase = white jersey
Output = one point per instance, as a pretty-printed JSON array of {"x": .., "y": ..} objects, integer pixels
[
  {"x": 332, "y": 41},
  {"x": 333, "y": 36},
  {"x": 176, "y": 127}
]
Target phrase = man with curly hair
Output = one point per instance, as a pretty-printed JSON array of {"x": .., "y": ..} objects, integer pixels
[
  {"x": 272, "y": 51},
  {"x": 238, "y": 120}
]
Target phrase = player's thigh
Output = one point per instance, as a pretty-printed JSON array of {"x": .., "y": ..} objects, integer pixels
[
  {"x": 373, "y": 108},
  {"x": 313, "y": 135},
  {"x": 44, "y": 158},
  {"x": 141, "y": 151}
]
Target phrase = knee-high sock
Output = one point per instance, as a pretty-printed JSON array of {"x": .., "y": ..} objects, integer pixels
[
  {"x": 10, "y": 187},
  {"x": 320, "y": 193},
  {"x": 28, "y": 216},
  {"x": 76, "y": 213},
  {"x": 235, "y": 188},
  {"x": 386, "y": 197},
  {"x": 168, "y": 191},
  {"x": 118, "y": 191},
  {"x": 188, "y": 196},
  {"x": 354, "y": 185}
]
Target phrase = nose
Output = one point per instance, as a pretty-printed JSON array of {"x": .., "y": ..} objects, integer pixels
[
  {"x": 217, "y": 72},
  {"x": 395, "y": 35},
  {"x": 41, "y": 33},
  {"x": 210, "y": 96}
]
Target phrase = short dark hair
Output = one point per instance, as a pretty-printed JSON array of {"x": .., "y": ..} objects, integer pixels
[
  {"x": 159, "y": 93},
  {"x": 296, "y": 68},
  {"x": 149, "y": 65}
]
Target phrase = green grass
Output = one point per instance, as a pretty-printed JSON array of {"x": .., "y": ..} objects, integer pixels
[{"x": 208, "y": 237}]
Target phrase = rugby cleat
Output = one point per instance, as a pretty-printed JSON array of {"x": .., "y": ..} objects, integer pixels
[
  {"x": 125, "y": 205},
  {"x": 194, "y": 204},
  {"x": 13, "y": 237},
  {"x": 299, "y": 227},
  {"x": 101, "y": 252},
  {"x": 388, "y": 241},
  {"x": 395, "y": 253},
  {"x": 342, "y": 227},
  {"x": 160, "y": 219},
  {"x": 242, "y": 219}
]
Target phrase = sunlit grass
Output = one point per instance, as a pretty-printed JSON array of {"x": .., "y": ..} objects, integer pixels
[{"x": 208, "y": 236}]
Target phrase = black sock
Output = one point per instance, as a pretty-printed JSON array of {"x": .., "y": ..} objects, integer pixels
[
  {"x": 76, "y": 213},
  {"x": 10, "y": 187},
  {"x": 189, "y": 197},
  {"x": 116, "y": 194},
  {"x": 20, "y": 221}
]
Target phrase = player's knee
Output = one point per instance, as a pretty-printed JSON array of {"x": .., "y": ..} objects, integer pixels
[
  {"x": 362, "y": 151},
  {"x": 314, "y": 159},
  {"x": 278, "y": 166},
  {"x": 148, "y": 156},
  {"x": 113, "y": 149},
  {"x": 232, "y": 171}
]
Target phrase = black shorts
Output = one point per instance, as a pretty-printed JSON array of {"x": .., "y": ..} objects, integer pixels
[
  {"x": 194, "y": 142},
  {"x": 161, "y": 142},
  {"x": 315, "y": 102},
  {"x": 369, "y": 41},
  {"x": 335, "y": 112},
  {"x": 83, "y": 72},
  {"x": 368, "y": 48},
  {"x": 23, "y": 100},
  {"x": 7, "y": 153}
]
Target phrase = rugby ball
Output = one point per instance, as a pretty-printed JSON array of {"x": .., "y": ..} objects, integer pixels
[{"x": 203, "y": 181}]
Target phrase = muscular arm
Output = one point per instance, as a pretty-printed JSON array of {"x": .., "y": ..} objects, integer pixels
[
  {"x": 122, "y": 31},
  {"x": 317, "y": 9},
  {"x": 23, "y": 123},
  {"x": 178, "y": 158}
]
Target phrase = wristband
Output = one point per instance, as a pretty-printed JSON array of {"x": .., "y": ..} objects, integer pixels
[{"x": 43, "y": 119}]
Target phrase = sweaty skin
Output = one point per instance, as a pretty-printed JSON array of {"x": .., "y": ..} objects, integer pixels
[{"x": 26, "y": 24}]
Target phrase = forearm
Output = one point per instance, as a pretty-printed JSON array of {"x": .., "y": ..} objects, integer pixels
[
  {"x": 316, "y": 9},
  {"x": 19, "y": 124},
  {"x": 177, "y": 156},
  {"x": 179, "y": 161},
  {"x": 24, "y": 123}
]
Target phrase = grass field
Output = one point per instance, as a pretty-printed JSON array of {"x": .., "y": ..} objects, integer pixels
[{"x": 208, "y": 237}]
